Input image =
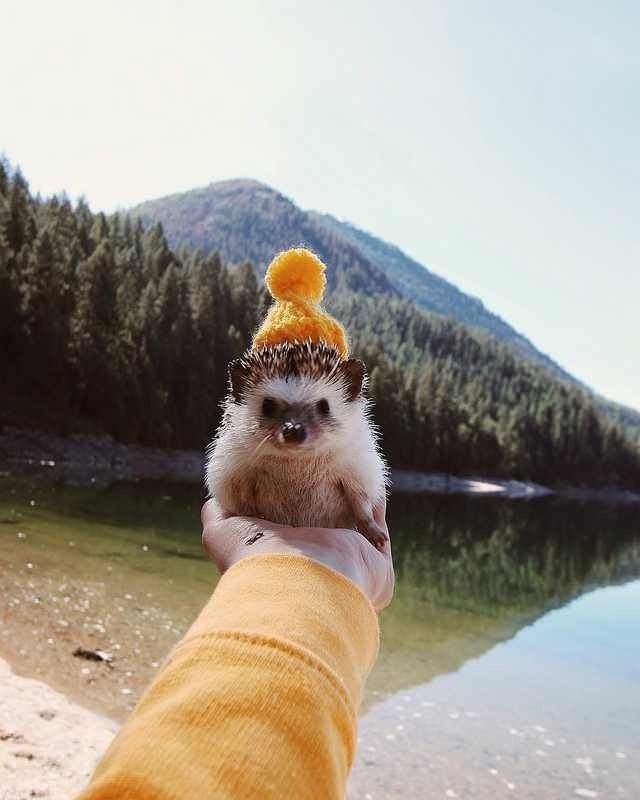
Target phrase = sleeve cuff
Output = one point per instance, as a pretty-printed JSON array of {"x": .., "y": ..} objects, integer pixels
[{"x": 294, "y": 599}]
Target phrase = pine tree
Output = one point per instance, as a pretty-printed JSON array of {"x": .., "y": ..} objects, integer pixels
[
  {"x": 4, "y": 177},
  {"x": 94, "y": 336},
  {"x": 245, "y": 299},
  {"x": 10, "y": 322},
  {"x": 20, "y": 225}
]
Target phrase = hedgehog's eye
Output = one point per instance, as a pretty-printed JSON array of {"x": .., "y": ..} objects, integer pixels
[
  {"x": 323, "y": 407},
  {"x": 269, "y": 407}
]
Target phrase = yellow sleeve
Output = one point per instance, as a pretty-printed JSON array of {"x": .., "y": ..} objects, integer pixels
[{"x": 259, "y": 699}]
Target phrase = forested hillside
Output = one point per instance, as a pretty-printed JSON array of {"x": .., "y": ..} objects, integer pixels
[
  {"x": 103, "y": 327},
  {"x": 245, "y": 220}
]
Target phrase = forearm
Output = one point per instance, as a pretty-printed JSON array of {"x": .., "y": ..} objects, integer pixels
[{"x": 260, "y": 697}]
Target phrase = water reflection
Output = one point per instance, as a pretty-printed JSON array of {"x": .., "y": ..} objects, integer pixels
[
  {"x": 511, "y": 652},
  {"x": 473, "y": 571},
  {"x": 552, "y": 712}
]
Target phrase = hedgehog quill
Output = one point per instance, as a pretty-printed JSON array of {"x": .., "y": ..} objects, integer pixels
[{"x": 296, "y": 445}]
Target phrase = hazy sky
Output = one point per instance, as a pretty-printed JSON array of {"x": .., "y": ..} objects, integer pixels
[{"x": 496, "y": 142}]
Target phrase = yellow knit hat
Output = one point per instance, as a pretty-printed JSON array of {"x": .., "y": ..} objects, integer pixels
[{"x": 295, "y": 278}]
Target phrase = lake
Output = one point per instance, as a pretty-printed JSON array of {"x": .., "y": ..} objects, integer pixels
[{"x": 510, "y": 660}]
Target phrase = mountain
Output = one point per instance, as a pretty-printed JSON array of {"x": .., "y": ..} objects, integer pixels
[
  {"x": 248, "y": 221},
  {"x": 245, "y": 220}
]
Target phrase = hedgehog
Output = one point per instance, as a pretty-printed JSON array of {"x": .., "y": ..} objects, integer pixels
[{"x": 296, "y": 444}]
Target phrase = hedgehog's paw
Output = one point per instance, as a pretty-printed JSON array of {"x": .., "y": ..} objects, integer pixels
[{"x": 370, "y": 529}]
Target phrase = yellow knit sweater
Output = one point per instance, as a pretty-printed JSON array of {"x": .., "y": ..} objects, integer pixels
[{"x": 259, "y": 699}]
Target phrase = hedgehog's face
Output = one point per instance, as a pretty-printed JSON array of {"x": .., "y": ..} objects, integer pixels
[{"x": 298, "y": 415}]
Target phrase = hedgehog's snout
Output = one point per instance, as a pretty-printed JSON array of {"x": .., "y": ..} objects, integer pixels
[{"x": 293, "y": 432}]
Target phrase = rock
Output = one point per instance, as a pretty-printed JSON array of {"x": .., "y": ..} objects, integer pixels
[{"x": 93, "y": 655}]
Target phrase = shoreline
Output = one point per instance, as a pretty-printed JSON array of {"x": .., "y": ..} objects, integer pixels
[
  {"x": 442, "y": 483},
  {"x": 92, "y": 460},
  {"x": 49, "y": 744}
]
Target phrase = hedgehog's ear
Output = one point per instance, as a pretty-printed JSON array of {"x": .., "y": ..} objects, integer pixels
[
  {"x": 238, "y": 375},
  {"x": 352, "y": 373}
]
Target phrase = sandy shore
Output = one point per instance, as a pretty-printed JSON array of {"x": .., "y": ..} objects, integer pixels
[
  {"x": 48, "y": 745},
  {"x": 408, "y": 747}
]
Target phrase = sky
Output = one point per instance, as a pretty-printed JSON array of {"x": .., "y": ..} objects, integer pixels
[{"x": 495, "y": 142}]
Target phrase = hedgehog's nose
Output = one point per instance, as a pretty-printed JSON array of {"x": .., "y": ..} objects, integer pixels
[{"x": 293, "y": 432}]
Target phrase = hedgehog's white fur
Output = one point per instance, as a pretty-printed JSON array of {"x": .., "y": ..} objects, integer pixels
[{"x": 331, "y": 480}]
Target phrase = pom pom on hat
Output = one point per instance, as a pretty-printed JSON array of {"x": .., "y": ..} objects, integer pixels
[
  {"x": 296, "y": 273},
  {"x": 295, "y": 278}
]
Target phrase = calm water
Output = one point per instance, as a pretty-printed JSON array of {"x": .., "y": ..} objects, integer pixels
[
  {"x": 510, "y": 663},
  {"x": 518, "y": 626}
]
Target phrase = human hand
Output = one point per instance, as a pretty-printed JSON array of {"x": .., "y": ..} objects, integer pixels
[{"x": 228, "y": 540}]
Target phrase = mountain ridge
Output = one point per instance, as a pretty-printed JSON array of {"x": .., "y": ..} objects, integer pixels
[
  {"x": 247, "y": 220},
  {"x": 239, "y": 228},
  {"x": 406, "y": 272},
  {"x": 403, "y": 275}
]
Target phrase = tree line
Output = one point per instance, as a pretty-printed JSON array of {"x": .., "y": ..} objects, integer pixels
[{"x": 104, "y": 328}]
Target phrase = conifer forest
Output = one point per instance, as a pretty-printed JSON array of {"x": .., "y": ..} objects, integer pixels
[{"x": 105, "y": 329}]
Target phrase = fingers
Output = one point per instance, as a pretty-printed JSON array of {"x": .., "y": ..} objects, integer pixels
[
  {"x": 227, "y": 539},
  {"x": 218, "y": 533},
  {"x": 212, "y": 513},
  {"x": 385, "y": 588},
  {"x": 385, "y": 576},
  {"x": 380, "y": 513}
]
